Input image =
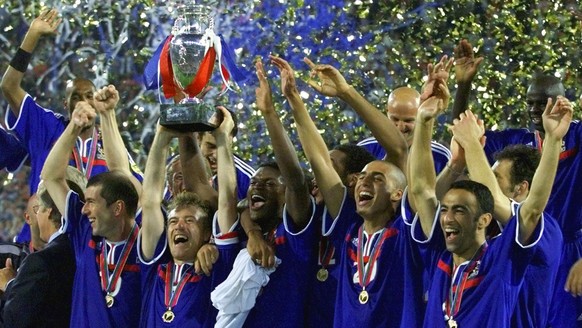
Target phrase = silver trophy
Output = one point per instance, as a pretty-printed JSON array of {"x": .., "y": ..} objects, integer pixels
[{"x": 192, "y": 37}]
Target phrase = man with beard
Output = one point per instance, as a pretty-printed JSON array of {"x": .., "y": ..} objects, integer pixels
[
  {"x": 173, "y": 294},
  {"x": 475, "y": 282}
]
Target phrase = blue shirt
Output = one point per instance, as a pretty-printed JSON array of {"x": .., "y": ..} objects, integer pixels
[
  {"x": 39, "y": 128},
  {"x": 282, "y": 302},
  {"x": 193, "y": 307},
  {"x": 440, "y": 153},
  {"x": 13, "y": 154},
  {"x": 492, "y": 283},
  {"x": 89, "y": 308},
  {"x": 395, "y": 287}
]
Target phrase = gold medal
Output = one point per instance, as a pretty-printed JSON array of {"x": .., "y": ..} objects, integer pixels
[
  {"x": 109, "y": 300},
  {"x": 168, "y": 316},
  {"x": 363, "y": 297},
  {"x": 452, "y": 323},
  {"x": 322, "y": 274}
]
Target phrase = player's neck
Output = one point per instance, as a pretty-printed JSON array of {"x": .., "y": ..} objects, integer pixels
[
  {"x": 123, "y": 232},
  {"x": 87, "y": 133},
  {"x": 468, "y": 254},
  {"x": 371, "y": 226}
]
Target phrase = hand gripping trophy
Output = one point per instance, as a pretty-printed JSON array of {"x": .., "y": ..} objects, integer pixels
[{"x": 184, "y": 63}]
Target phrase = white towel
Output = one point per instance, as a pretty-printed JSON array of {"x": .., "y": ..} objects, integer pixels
[{"x": 236, "y": 296}]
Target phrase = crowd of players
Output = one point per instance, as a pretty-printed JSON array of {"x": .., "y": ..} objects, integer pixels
[{"x": 398, "y": 231}]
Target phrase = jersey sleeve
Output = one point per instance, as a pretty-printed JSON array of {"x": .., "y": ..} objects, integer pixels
[
  {"x": 13, "y": 153},
  {"x": 337, "y": 228},
  {"x": 301, "y": 240},
  {"x": 431, "y": 246}
]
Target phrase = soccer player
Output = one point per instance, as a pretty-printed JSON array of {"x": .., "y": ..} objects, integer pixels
[
  {"x": 173, "y": 294},
  {"x": 475, "y": 282},
  {"x": 563, "y": 204},
  {"x": 376, "y": 268},
  {"x": 103, "y": 229}
]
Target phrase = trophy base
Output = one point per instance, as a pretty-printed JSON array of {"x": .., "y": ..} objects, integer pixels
[{"x": 188, "y": 117}]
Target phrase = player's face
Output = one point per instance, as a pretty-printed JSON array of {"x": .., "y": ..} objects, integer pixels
[
  {"x": 373, "y": 193},
  {"x": 81, "y": 90},
  {"x": 404, "y": 117},
  {"x": 502, "y": 171},
  {"x": 186, "y": 233},
  {"x": 176, "y": 183},
  {"x": 458, "y": 218},
  {"x": 208, "y": 150},
  {"x": 32, "y": 207},
  {"x": 266, "y": 194},
  {"x": 101, "y": 216}
]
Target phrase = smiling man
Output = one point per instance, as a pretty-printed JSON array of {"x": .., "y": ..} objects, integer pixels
[{"x": 174, "y": 295}]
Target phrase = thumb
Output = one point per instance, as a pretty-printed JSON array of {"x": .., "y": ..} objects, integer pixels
[{"x": 9, "y": 263}]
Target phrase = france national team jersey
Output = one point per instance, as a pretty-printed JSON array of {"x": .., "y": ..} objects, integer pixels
[
  {"x": 13, "y": 154},
  {"x": 39, "y": 128},
  {"x": 191, "y": 297},
  {"x": 281, "y": 303},
  {"x": 440, "y": 153},
  {"x": 563, "y": 206},
  {"x": 490, "y": 282},
  {"x": 393, "y": 294},
  {"x": 244, "y": 173},
  {"x": 564, "y": 203},
  {"x": 89, "y": 300}
]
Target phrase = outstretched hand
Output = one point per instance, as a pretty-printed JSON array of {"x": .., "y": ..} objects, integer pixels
[
  {"x": 436, "y": 104},
  {"x": 226, "y": 124},
  {"x": 557, "y": 119},
  {"x": 331, "y": 82},
  {"x": 437, "y": 74},
  {"x": 288, "y": 84},
  {"x": 263, "y": 91},
  {"x": 466, "y": 65},
  {"x": 46, "y": 23}
]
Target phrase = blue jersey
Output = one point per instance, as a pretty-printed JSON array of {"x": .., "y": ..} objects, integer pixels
[
  {"x": 39, "y": 128},
  {"x": 564, "y": 204},
  {"x": 193, "y": 307},
  {"x": 89, "y": 305},
  {"x": 13, "y": 154},
  {"x": 281, "y": 302},
  {"x": 440, "y": 153},
  {"x": 395, "y": 286},
  {"x": 490, "y": 283},
  {"x": 535, "y": 297},
  {"x": 244, "y": 173}
]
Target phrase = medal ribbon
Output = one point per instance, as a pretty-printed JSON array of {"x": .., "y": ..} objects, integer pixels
[
  {"x": 326, "y": 251},
  {"x": 171, "y": 297},
  {"x": 457, "y": 289},
  {"x": 90, "y": 161},
  {"x": 108, "y": 283},
  {"x": 563, "y": 154},
  {"x": 365, "y": 268}
]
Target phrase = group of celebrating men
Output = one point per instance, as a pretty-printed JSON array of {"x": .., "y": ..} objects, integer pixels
[{"x": 398, "y": 231}]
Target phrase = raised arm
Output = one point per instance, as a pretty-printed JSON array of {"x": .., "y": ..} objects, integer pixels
[
  {"x": 45, "y": 24},
  {"x": 556, "y": 122},
  {"x": 152, "y": 225},
  {"x": 454, "y": 169},
  {"x": 105, "y": 101},
  {"x": 421, "y": 172},
  {"x": 297, "y": 197},
  {"x": 466, "y": 67},
  {"x": 468, "y": 131},
  {"x": 316, "y": 151},
  {"x": 55, "y": 166},
  {"x": 194, "y": 170},
  {"x": 333, "y": 84},
  {"x": 227, "y": 195}
]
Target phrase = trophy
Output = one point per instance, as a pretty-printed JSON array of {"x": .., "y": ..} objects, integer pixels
[{"x": 189, "y": 64}]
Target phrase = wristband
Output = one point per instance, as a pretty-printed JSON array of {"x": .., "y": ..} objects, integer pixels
[{"x": 21, "y": 60}]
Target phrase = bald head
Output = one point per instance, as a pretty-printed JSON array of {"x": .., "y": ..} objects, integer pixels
[{"x": 402, "y": 106}]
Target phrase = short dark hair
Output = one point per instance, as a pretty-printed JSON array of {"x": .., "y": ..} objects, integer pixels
[
  {"x": 116, "y": 186},
  {"x": 524, "y": 159},
  {"x": 185, "y": 199},
  {"x": 356, "y": 157},
  {"x": 481, "y": 192},
  {"x": 47, "y": 201},
  {"x": 271, "y": 164}
]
